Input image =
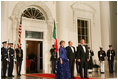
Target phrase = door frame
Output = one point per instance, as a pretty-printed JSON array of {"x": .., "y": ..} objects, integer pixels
[{"x": 29, "y": 39}]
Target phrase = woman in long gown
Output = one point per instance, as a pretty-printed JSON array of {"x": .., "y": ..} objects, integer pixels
[{"x": 62, "y": 71}]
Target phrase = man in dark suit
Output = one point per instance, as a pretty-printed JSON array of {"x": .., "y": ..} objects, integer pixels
[
  {"x": 4, "y": 55},
  {"x": 53, "y": 58},
  {"x": 11, "y": 58},
  {"x": 19, "y": 59},
  {"x": 71, "y": 57},
  {"x": 83, "y": 58},
  {"x": 77, "y": 63},
  {"x": 110, "y": 55}
]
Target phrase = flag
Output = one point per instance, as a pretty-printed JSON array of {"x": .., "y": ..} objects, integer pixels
[
  {"x": 54, "y": 36},
  {"x": 19, "y": 32}
]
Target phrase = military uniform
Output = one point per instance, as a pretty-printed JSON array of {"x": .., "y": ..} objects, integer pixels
[
  {"x": 101, "y": 56},
  {"x": 53, "y": 59},
  {"x": 4, "y": 60},
  {"x": 11, "y": 64},
  {"x": 19, "y": 58},
  {"x": 110, "y": 55}
]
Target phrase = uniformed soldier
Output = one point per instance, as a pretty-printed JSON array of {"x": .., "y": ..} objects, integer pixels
[
  {"x": 110, "y": 55},
  {"x": 53, "y": 58},
  {"x": 11, "y": 58},
  {"x": 4, "y": 58},
  {"x": 101, "y": 56},
  {"x": 19, "y": 58},
  {"x": 90, "y": 63}
]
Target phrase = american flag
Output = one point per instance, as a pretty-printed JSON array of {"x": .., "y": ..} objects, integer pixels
[{"x": 19, "y": 32}]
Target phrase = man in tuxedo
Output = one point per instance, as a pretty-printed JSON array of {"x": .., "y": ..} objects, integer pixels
[
  {"x": 110, "y": 55},
  {"x": 71, "y": 57},
  {"x": 83, "y": 57}
]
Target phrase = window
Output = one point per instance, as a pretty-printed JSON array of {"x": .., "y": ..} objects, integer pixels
[
  {"x": 82, "y": 30},
  {"x": 34, "y": 34},
  {"x": 33, "y": 13}
]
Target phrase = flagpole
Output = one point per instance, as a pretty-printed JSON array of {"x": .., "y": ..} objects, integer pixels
[{"x": 19, "y": 32}]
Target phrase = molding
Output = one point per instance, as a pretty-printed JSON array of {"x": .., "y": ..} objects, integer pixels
[
  {"x": 81, "y": 6},
  {"x": 22, "y": 5}
]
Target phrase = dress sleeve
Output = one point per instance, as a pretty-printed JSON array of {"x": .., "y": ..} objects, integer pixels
[{"x": 60, "y": 53}]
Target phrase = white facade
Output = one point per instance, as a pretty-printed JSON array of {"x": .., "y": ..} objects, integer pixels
[{"x": 65, "y": 14}]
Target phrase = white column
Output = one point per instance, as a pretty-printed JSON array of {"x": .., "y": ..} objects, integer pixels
[
  {"x": 61, "y": 14},
  {"x": 105, "y": 27},
  {"x": 105, "y": 23},
  {"x": 4, "y": 21}
]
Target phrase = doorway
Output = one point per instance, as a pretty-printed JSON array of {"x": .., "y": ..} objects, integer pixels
[{"x": 34, "y": 56}]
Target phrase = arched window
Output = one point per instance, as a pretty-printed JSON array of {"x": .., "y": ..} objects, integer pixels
[{"x": 33, "y": 13}]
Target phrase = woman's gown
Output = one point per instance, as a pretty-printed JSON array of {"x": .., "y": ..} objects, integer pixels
[{"x": 62, "y": 71}]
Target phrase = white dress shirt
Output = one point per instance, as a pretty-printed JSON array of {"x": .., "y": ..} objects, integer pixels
[
  {"x": 72, "y": 49},
  {"x": 84, "y": 48}
]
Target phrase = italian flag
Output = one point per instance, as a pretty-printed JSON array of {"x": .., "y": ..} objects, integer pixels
[{"x": 54, "y": 36}]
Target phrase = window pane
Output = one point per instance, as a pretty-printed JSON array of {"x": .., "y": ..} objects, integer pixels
[
  {"x": 86, "y": 39},
  {"x": 33, "y": 13},
  {"x": 85, "y": 23},
  {"x": 79, "y": 29},
  {"x": 83, "y": 37},
  {"x": 82, "y": 23},
  {"x": 82, "y": 30},
  {"x": 33, "y": 34},
  {"x": 79, "y": 38}
]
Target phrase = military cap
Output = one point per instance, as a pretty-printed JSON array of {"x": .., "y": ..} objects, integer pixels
[
  {"x": 10, "y": 43},
  {"x": 4, "y": 42}
]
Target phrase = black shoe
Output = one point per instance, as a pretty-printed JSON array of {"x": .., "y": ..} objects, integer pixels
[
  {"x": 9, "y": 75},
  {"x": 102, "y": 72},
  {"x": 90, "y": 72},
  {"x": 19, "y": 75},
  {"x": 12, "y": 75},
  {"x": 81, "y": 77},
  {"x": 3, "y": 76},
  {"x": 73, "y": 78},
  {"x": 111, "y": 72},
  {"x": 86, "y": 77}
]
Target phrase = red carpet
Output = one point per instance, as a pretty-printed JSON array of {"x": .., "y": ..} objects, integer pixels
[{"x": 50, "y": 76}]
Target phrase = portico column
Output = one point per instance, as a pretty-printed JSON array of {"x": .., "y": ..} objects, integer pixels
[
  {"x": 105, "y": 24},
  {"x": 105, "y": 27},
  {"x": 61, "y": 17}
]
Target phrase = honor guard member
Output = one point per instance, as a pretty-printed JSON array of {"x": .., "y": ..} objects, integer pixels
[
  {"x": 90, "y": 63},
  {"x": 53, "y": 58},
  {"x": 11, "y": 58},
  {"x": 101, "y": 56},
  {"x": 4, "y": 59},
  {"x": 19, "y": 58},
  {"x": 110, "y": 55}
]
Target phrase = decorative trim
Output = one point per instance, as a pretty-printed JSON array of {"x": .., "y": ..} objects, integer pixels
[
  {"x": 22, "y": 5},
  {"x": 81, "y": 6}
]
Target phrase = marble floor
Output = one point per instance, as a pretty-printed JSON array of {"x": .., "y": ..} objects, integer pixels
[{"x": 93, "y": 75}]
